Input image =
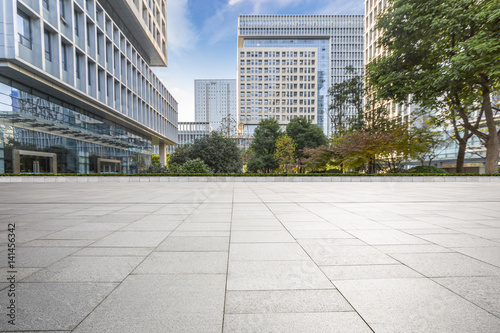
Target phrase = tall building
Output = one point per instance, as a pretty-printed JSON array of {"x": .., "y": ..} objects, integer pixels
[
  {"x": 77, "y": 92},
  {"x": 286, "y": 64},
  {"x": 189, "y": 132},
  {"x": 372, "y": 51},
  {"x": 215, "y": 102}
]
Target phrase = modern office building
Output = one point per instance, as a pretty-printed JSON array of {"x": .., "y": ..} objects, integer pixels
[
  {"x": 286, "y": 64},
  {"x": 372, "y": 51},
  {"x": 215, "y": 102},
  {"x": 77, "y": 93},
  {"x": 189, "y": 132}
]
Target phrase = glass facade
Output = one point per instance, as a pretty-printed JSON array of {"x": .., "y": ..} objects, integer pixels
[{"x": 37, "y": 131}]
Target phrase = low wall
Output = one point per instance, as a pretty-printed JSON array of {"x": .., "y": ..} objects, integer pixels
[{"x": 194, "y": 179}]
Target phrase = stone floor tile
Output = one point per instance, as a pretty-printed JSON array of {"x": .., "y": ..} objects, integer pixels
[
  {"x": 194, "y": 244},
  {"x": 87, "y": 269},
  {"x": 369, "y": 272},
  {"x": 414, "y": 305},
  {"x": 267, "y": 251},
  {"x": 346, "y": 322},
  {"x": 132, "y": 239},
  {"x": 184, "y": 263},
  {"x": 285, "y": 301},
  {"x": 275, "y": 275}
]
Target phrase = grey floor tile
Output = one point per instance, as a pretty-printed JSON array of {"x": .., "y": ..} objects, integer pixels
[
  {"x": 32, "y": 257},
  {"x": 299, "y": 234},
  {"x": 386, "y": 237},
  {"x": 459, "y": 240},
  {"x": 285, "y": 301},
  {"x": 275, "y": 275},
  {"x": 369, "y": 272},
  {"x": 491, "y": 255},
  {"x": 161, "y": 303},
  {"x": 326, "y": 254},
  {"x": 77, "y": 234},
  {"x": 114, "y": 252},
  {"x": 423, "y": 248},
  {"x": 482, "y": 291},
  {"x": 348, "y": 322},
  {"x": 133, "y": 239},
  {"x": 87, "y": 269},
  {"x": 446, "y": 264},
  {"x": 184, "y": 263},
  {"x": 414, "y": 305},
  {"x": 261, "y": 237},
  {"x": 207, "y": 226},
  {"x": 143, "y": 225},
  {"x": 267, "y": 251},
  {"x": 194, "y": 244},
  {"x": 54, "y": 306}
]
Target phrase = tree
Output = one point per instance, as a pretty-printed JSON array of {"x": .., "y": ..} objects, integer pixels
[
  {"x": 219, "y": 153},
  {"x": 181, "y": 155},
  {"x": 263, "y": 146},
  {"x": 445, "y": 54},
  {"x": 285, "y": 152},
  {"x": 305, "y": 135},
  {"x": 345, "y": 96}
]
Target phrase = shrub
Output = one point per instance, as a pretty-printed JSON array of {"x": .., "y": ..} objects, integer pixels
[
  {"x": 426, "y": 169},
  {"x": 194, "y": 166}
]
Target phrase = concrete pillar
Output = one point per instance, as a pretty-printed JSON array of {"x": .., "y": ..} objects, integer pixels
[{"x": 163, "y": 153}]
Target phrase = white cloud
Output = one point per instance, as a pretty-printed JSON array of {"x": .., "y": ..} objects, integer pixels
[
  {"x": 181, "y": 33},
  {"x": 339, "y": 7}
]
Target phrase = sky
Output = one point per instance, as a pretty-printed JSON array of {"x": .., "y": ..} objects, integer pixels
[{"x": 202, "y": 37}]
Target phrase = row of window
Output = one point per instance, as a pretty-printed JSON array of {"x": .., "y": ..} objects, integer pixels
[
  {"x": 276, "y": 54},
  {"x": 277, "y": 94},
  {"x": 274, "y": 62},
  {"x": 291, "y": 70},
  {"x": 278, "y": 86},
  {"x": 278, "y": 102},
  {"x": 277, "y": 117},
  {"x": 277, "y": 78},
  {"x": 278, "y": 109}
]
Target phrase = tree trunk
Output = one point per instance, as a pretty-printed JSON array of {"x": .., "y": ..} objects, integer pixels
[
  {"x": 492, "y": 144},
  {"x": 462, "y": 145}
]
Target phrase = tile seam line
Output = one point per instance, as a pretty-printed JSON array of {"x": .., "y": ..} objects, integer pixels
[
  {"x": 228, "y": 256},
  {"x": 296, "y": 242}
]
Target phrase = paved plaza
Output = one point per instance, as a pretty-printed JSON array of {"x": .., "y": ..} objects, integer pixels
[{"x": 252, "y": 257}]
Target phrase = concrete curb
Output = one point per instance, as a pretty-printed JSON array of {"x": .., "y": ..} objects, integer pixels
[{"x": 337, "y": 179}]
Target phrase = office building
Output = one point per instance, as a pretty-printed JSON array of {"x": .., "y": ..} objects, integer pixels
[
  {"x": 286, "y": 64},
  {"x": 372, "y": 51},
  {"x": 189, "y": 132},
  {"x": 77, "y": 92},
  {"x": 215, "y": 103}
]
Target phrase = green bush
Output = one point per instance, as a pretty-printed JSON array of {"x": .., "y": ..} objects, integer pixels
[
  {"x": 426, "y": 169},
  {"x": 195, "y": 166}
]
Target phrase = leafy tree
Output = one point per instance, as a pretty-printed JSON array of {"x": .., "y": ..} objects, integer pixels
[
  {"x": 346, "y": 95},
  {"x": 219, "y": 153},
  {"x": 285, "y": 152},
  {"x": 263, "y": 146},
  {"x": 181, "y": 155},
  {"x": 445, "y": 54},
  {"x": 305, "y": 135}
]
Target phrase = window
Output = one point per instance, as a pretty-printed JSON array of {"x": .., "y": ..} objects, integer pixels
[
  {"x": 89, "y": 31},
  {"x": 24, "y": 29},
  {"x": 62, "y": 9},
  {"x": 89, "y": 74},
  {"x": 48, "y": 46},
  {"x": 77, "y": 65},
  {"x": 64, "y": 56},
  {"x": 77, "y": 23},
  {"x": 45, "y": 4}
]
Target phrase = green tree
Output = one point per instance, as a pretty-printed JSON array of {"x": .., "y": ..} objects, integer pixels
[
  {"x": 263, "y": 147},
  {"x": 346, "y": 96},
  {"x": 219, "y": 153},
  {"x": 305, "y": 135},
  {"x": 445, "y": 54},
  {"x": 181, "y": 155},
  {"x": 285, "y": 152},
  {"x": 194, "y": 166}
]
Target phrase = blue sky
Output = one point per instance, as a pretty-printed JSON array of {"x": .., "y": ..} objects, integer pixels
[{"x": 202, "y": 37}]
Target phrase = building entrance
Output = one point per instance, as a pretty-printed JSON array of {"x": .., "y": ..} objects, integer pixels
[
  {"x": 109, "y": 166},
  {"x": 26, "y": 161}
]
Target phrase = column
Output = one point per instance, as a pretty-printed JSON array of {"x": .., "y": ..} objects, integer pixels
[{"x": 163, "y": 153}]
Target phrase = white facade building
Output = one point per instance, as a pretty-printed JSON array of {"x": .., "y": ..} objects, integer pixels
[
  {"x": 286, "y": 63},
  {"x": 215, "y": 102}
]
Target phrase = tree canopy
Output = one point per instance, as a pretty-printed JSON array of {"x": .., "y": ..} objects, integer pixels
[
  {"x": 305, "y": 134},
  {"x": 263, "y": 146},
  {"x": 446, "y": 55}
]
